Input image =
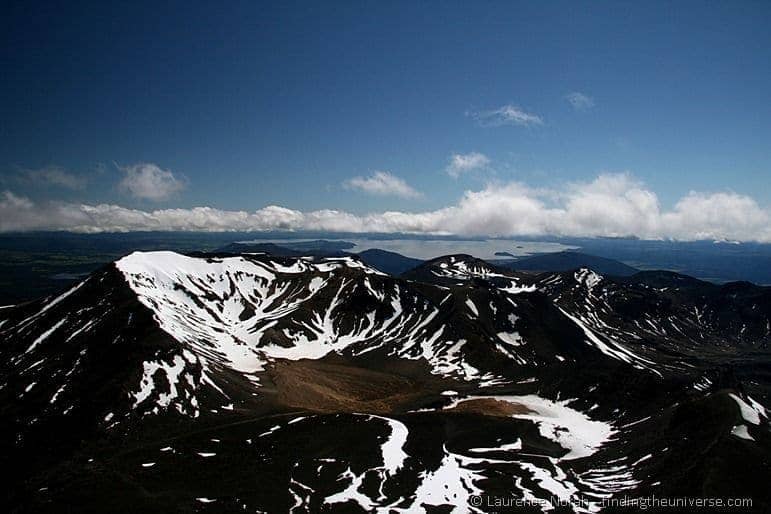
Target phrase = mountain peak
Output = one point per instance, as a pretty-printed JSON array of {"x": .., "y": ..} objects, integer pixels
[{"x": 454, "y": 268}]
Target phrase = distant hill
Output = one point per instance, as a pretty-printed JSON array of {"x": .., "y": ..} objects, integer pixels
[
  {"x": 660, "y": 279},
  {"x": 451, "y": 269},
  {"x": 570, "y": 260},
  {"x": 269, "y": 248},
  {"x": 318, "y": 248},
  {"x": 388, "y": 262}
]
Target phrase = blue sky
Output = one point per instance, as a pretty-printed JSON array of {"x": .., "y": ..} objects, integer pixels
[{"x": 287, "y": 104}]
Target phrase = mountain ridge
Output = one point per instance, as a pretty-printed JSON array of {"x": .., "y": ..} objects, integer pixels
[
  {"x": 257, "y": 352},
  {"x": 572, "y": 260}
]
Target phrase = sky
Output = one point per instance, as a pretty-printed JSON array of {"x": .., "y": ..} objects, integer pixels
[{"x": 641, "y": 119}]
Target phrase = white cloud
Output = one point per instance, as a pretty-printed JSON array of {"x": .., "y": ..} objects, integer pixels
[
  {"x": 506, "y": 115},
  {"x": 382, "y": 183},
  {"x": 148, "y": 181},
  {"x": 55, "y": 176},
  {"x": 579, "y": 101},
  {"x": 462, "y": 163},
  {"x": 719, "y": 216},
  {"x": 614, "y": 205}
]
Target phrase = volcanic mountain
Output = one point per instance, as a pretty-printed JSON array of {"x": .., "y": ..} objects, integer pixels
[
  {"x": 571, "y": 260},
  {"x": 253, "y": 382}
]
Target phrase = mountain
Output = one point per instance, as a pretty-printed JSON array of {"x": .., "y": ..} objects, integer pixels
[
  {"x": 456, "y": 269},
  {"x": 269, "y": 248},
  {"x": 319, "y": 247},
  {"x": 703, "y": 259},
  {"x": 570, "y": 260},
  {"x": 388, "y": 262},
  {"x": 231, "y": 383},
  {"x": 383, "y": 260}
]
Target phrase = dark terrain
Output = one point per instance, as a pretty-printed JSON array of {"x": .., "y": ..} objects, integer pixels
[{"x": 570, "y": 260}]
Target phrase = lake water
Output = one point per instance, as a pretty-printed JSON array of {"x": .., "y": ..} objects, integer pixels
[{"x": 430, "y": 248}]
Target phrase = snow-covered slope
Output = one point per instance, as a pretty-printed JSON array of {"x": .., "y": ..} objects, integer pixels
[{"x": 243, "y": 312}]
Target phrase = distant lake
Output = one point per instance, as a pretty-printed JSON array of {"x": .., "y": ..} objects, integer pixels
[
  {"x": 70, "y": 276},
  {"x": 430, "y": 248}
]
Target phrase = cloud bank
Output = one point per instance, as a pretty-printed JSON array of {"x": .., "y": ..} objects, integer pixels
[
  {"x": 382, "y": 183},
  {"x": 614, "y": 205}
]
